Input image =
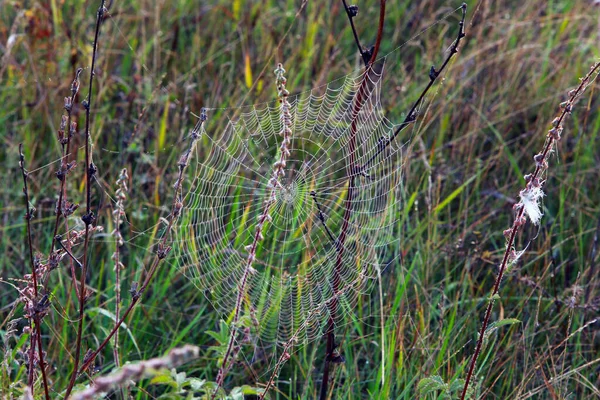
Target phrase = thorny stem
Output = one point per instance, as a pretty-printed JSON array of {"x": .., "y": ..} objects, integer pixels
[
  {"x": 163, "y": 249},
  {"x": 88, "y": 217},
  {"x": 272, "y": 186},
  {"x": 533, "y": 180},
  {"x": 36, "y": 334},
  {"x": 330, "y": 332},
  {"x": 433, "y": 75}
]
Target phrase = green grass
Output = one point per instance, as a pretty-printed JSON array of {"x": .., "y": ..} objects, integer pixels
[{"x": 463, "y": 170}]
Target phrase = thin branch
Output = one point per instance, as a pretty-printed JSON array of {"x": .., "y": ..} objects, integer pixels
[
  {"x": 352, "y": 11},
  {"x": 163, "y": 249},
  {"x": 36, "y": 335},
  {"x": 534, "y": 182},
  {"x": 322, "y": 218},
  {"x": 58, "y": 240},
  {"x": 88, "y": 218},
  {"x": 433, "y": 75},
  {"x": 330, "y": 333}
]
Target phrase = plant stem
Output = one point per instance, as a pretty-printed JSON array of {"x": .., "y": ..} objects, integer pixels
[
  {"x": 273, "y": 185},
  {"x": 433, "y": 75},
  {"x": 519, "y": 220},
  {"x": 163, "y": 249},
  {"x": 88, "y": 217},
  {"x": 36, "y": 334},
  {"x": 351, "y": 167}
]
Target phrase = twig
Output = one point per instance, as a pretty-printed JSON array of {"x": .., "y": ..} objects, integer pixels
[
  {"x": 352, "y": 11},
  {"x": 88, "y": 218},
  {"x": 36, "y": 335},
  {"x": 163, "y": 250},
  {"x": 330, "y": 333},
  {"x": 433, "y": 75},
  {"x": 527, "y": 207},
  {"x": 322, "y": 219},
  {"x": 58, "y": 240}
]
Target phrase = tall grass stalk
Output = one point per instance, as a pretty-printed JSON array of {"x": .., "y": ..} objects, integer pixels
[
  {"x": 88, "y": 218},
  {"x": 528, "y": 207}
]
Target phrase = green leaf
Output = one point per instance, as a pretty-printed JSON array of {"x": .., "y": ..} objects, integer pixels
[{"x": 431, "y": 384}]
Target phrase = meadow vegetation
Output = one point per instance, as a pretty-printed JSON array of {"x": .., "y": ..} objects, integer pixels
[{"x": 466, "y": 163}]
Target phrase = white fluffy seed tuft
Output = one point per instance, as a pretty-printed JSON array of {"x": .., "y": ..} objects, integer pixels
[{"x": 530, "y": 198}]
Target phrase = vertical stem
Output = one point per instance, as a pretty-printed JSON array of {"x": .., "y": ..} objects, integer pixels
[
  {"x": 88, "y": 217},
  {"x": 352, "y": 170},
  {"x": 36, "y": 334},
  {"x": 70, "y": 130}
]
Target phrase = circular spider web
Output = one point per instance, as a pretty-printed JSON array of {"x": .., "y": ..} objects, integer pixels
[{"x": 302, "y": 274}]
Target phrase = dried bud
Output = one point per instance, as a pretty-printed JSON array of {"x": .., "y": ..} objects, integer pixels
[
  {"x": 68, "y": 104},
  {"x": 554, "y": 133},
  {"x": 520, "y": 221},
  {"x": 73, "y": 129},
  {"x": 163, "y": 251}
]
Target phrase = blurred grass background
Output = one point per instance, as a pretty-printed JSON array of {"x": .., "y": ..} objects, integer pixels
[{"x": 160, "y": 60}]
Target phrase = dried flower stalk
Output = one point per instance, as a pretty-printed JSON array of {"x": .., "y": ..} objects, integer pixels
[
  {"x": 135, "y": 372},
  {"x": 272, "y": 186},
  {"x": 528, "y": 207}
]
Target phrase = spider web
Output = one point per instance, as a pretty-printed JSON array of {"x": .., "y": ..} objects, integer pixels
[{"x": 289, "y": 294}]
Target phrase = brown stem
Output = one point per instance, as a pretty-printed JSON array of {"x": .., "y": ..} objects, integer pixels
[
  {"x": 163, "y": 249},
  {"x": 519, "y": 221},
  {"x": 36, "y": 334},
  {"x": 88, "y": 217},
  {"x": 351, "y": 167},
  {"x": 64, "y": 171}
]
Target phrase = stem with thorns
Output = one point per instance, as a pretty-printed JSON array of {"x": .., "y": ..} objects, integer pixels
[
  {"x": 88, "y": 218},
  {"x": 534, "y": 183},
  {"x": 272, "y": 186},
  {"x": 36, "y": 334},
  {"x": 330, "y": 332},
  {"x": 163, "y": 249}
]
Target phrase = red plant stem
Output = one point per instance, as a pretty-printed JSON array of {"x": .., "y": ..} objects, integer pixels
[
  {"x": 163, "y": 249},
  {"x": 36, "y": 334},
  {"x": 352, "y": 170},
  {"x": 516, "y": 225},
  {"x": 88, "y": 216}
]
